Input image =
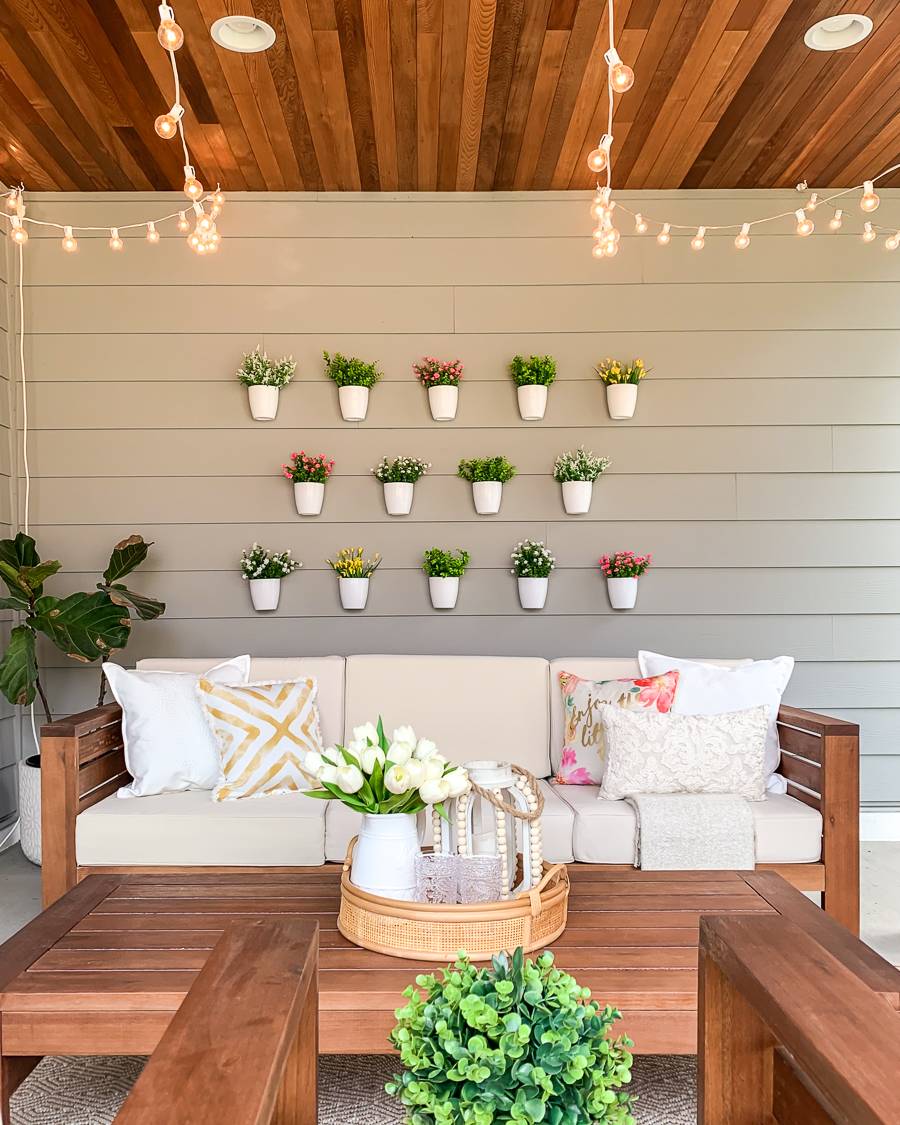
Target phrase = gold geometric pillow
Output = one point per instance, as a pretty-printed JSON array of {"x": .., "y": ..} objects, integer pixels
[{"x": 263, "y": 731}]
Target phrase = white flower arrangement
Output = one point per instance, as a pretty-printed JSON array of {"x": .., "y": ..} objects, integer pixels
[
  {"x": 531, "y": 559},
  {"x": 257, "y": 370},
  {"x": 401, "y": 470},
  {"x": 257, "y": 562},
  {"x": 578, "y": 464}
]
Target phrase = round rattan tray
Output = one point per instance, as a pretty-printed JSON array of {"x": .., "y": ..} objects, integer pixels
[{"x": 437, "y": 932}]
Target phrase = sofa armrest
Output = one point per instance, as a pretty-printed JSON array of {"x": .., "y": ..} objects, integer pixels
[{"x": 82, "y": 761}]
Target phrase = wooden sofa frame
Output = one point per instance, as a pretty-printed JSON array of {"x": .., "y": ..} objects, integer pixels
[{"x": 82, "y": 762}]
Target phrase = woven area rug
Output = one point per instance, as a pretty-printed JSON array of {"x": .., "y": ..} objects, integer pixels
[{"x": 89, "y": 1091}]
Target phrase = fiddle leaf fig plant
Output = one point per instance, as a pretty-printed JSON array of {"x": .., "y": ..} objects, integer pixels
[{"x": 84, "y": 626}]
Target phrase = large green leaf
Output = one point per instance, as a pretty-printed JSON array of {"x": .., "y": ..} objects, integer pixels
[
  {"x": 34, "y": 577},
  {"x": 15, "y": 601},
  {"x": 21, "y": 567},
  {"x": 126, "y": 556},
  {"x": 20, "y": 551},
  {"x": 145, "y": 607},
  {"x": 18, "y": 668},
  {"x": 85, "y": 627}
]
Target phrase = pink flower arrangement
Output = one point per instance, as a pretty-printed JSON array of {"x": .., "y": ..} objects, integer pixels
[
  {"x": 433, "y": 372},
  {"x": 624, "y": 564},
  {"x": 303, "y": 467}
]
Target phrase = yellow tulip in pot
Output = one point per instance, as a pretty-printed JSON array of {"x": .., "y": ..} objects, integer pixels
[{"x": 621, "y": 380}]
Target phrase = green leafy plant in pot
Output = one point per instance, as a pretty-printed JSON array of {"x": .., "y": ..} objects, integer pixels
[{"x": 517, "y": 1042}]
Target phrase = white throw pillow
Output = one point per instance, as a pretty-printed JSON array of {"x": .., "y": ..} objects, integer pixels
[
  {"x": 649, "y": 752},
  {"x": 168, "y": 743},
  {"x": 708, "y": 689}
]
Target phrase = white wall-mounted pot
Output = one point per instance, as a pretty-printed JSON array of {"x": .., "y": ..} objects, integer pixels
[
  {"x": 532, "y": 401},
  {"x": 577, "y": 495},
  {"x": 487, "y": 495},
  {"x": 622, "y": 592},
  {"x": 533, "y": 592},
  {"x": 354, "y": 402},
  {"x": 621, "y": 399},
  {"x": 443, "y": 402},
  {"x": 384, "y": 856},
  {"x": 309, "y": 496},
  {"x": 263, "y": 402},
  {"x": 354, "y": 592},
  {"x": 398, "y": 497},
  {"x": 264, "y": 593},
  {"x": 444, "y": 592},
  {"x": 30, "y": 807}
]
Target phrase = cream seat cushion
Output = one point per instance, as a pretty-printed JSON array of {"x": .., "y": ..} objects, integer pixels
[
  {"x": 190, "y": 829},
  {"x": 787, "y": 831}
]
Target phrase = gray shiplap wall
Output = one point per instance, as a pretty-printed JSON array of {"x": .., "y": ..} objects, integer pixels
[
  {"x": 10, "y": 741},
  {"x": 762, "y": 468}
]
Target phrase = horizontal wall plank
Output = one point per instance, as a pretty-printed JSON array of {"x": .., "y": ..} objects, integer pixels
[
  {"x": 863, "y": 496},
  {"x": 870, "y": 637},
  {"x": 867, "y": 448},
  {"x": 879, "y": 729},
  {"x": 879, "y": 779},
  {"x": 838, "y": 684}
]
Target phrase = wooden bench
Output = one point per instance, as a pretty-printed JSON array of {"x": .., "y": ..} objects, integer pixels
[
  {"x": 82, "y": 762},
  {"x": 792, "y": 1032}
]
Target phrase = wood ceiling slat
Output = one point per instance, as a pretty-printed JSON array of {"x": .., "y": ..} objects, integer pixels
[
  {"x": 524, "y": 73},
  {"x": 507, "y": 24},
  {"x": 231, "y": 174},
  {"x": 482, "y": 14},
  {"x": 298, "y": 27},
  {"x": 429, "y": 17},
  {"x": 377, "y": 24},
  {"x": 454, "y": 29},
  {"x": 877, "y": 118},
  {"x": 880, "y": 154},
  {"x": 273, "y": 112},
  {"x": 553, "y": 53},
  {"x": 356, "y": 76},
  {"x": 593, "y": 84},
  {"x": 328, "y": 52},
  {"x": 403, "y": 72}
]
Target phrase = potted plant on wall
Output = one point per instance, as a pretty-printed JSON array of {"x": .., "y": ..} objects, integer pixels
[
  {"x": 621, "y": 380},
  {"x": 353, "y": 573},
  {"x": 398, "y": 478},
  {"x": 532, "y": 565},
  {"x": 309, "y": 472},
  {"x": 444, "y": 570},
  {"x": 440, "y": 377},
  {"x": 532, "y": 377},
  {"x": 576, "y": 471},
  {"x": 487, "y": 476},
  {"x": 622, "y": 571},
  {"x": 263, "y": 380},
  {"x": 353, "y": 378},
  {"x": 263, "y": 571}
]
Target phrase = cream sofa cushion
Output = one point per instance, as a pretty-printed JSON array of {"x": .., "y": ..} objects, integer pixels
[
  {"x": 327, "y": 670},
  {"x": 191, "y": 829},
  {"x": 471, "y": 706},
  {"x": 787, "y": 831}
]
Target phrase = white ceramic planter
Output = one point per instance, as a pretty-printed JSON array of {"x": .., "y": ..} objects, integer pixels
[
  {"x": 532, "y": 401},
  {"x": 354, "y": 592},
  {"x": 444, "y": 592},
  {"x": 621, "y": 399},
  {"x": 30, "y": 807},
  {"x": 533, "y": 592},
  {"x": 622, "y": 592},
  {"x": 263, "y": 403},
  {"x": 264, "y": 593},
  {"x": 443, "y": 402},
  {"x": 354, "y": 402},
  {"x": 487, "y": 495},
  {"x": 309, "y": 496},
  {"x": 384, "y": 858},
  {"x": 577, "y": 496},
  {"x": 398, "y": 497}
]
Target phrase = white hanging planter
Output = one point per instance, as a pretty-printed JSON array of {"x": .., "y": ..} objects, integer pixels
[
  {"x": 309, "y": 496},
  {"x": 264, "y": 593},
  {"x": 30, "y": 807},
  {"x": 533, "y": 592},
  {"x": 354, "y": 402},
  {"x": 443, "y": 402},
  {"x": 384, "y": 858},
  {"x": 621, "y": 399},
  {"x": 354, "y": 592},
  {"x": 263, "y": 402},
  {"x": 532, "y": 401},
  {"x": 398, "y": 497},
  {"x": 444, "y": 592},
  {"x": 487, "y": 495},
  {"x": 622, "y": 592},
  {"x": 577, "y": 496}
]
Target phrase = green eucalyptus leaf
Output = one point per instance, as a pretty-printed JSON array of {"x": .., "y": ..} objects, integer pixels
[
  {"x": 86, "y": 627},
  {"x": 126, "y": 556},
  {"x": 18, "y": 668}
]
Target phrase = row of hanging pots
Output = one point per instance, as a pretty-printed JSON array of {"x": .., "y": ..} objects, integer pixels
[{"x": 621, "y": 400}]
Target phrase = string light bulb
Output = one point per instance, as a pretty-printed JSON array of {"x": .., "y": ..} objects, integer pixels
[
  {"x": 218, "y": 198},
  {"x": 892, "y": 241},
  {"x": 69, "y": 241},
  {"x": 610, "y": 248},
  {"x": 837, "y": 220},
  {"x": 621, "y": 77},
  {"x": 699, "y": 239},
  {"x": 640, "y": 224},
  {"x": 166, "y": 125},
  {"x": 598, "y": 158},
  {"x": 870, "y": 200},
  {"x": 599, "y": 249},
  {"x": 152, "y": 232},
  {"x": 812, "y": 202},
  {"x": 115, "y": 242},
  {"x": 664, "y": 238},
  {"x": 869, "y": 233},
  {"x": 742, "y": 241},
  {"x": 169, "y": 34},
  {"x": 805, "y": 225},
  {"x": 12, "y": 200},
  {"x": 600, "y": 205},
  {"x": 193, "y": 189},
  {"x": 18, "y": 233},
  {"x": 183, "y": 225}
]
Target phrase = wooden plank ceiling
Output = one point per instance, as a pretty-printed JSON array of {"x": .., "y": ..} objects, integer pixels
[{"x": 447, "y": 95}]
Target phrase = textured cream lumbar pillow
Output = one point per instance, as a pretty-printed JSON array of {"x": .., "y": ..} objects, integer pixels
[
  {"x": 649, "y": 752},
  {"x": 168, "y": 745},
  {"x": 263, "y": 732}
]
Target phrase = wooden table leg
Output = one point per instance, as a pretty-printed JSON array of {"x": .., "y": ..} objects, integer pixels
[
  {"x": 297, "y": 1102},
  {"x": 14, "y": 1069}
]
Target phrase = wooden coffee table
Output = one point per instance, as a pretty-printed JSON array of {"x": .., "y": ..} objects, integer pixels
[{"x": 103, "y": 970}]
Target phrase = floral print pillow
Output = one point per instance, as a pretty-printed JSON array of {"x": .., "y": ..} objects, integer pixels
[{"x": 583, "y": 759}]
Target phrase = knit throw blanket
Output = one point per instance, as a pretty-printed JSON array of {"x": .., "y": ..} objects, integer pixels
[{"x": 693, "y": 831}]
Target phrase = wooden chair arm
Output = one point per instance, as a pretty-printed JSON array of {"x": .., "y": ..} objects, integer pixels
[
  {"x": 814, "y": 723},
  {"x": 84, "y": 722}
]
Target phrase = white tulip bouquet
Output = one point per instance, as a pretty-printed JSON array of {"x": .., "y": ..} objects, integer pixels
[{"x": 375, "y": 774}]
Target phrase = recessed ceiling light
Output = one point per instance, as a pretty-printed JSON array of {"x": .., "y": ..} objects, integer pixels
[
  {"x": 838, "y": 32},
  {"x": 245, "y": 34}
]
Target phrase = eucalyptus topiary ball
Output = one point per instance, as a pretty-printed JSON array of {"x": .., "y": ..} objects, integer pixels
[{"x": 519, "y": 1042}]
